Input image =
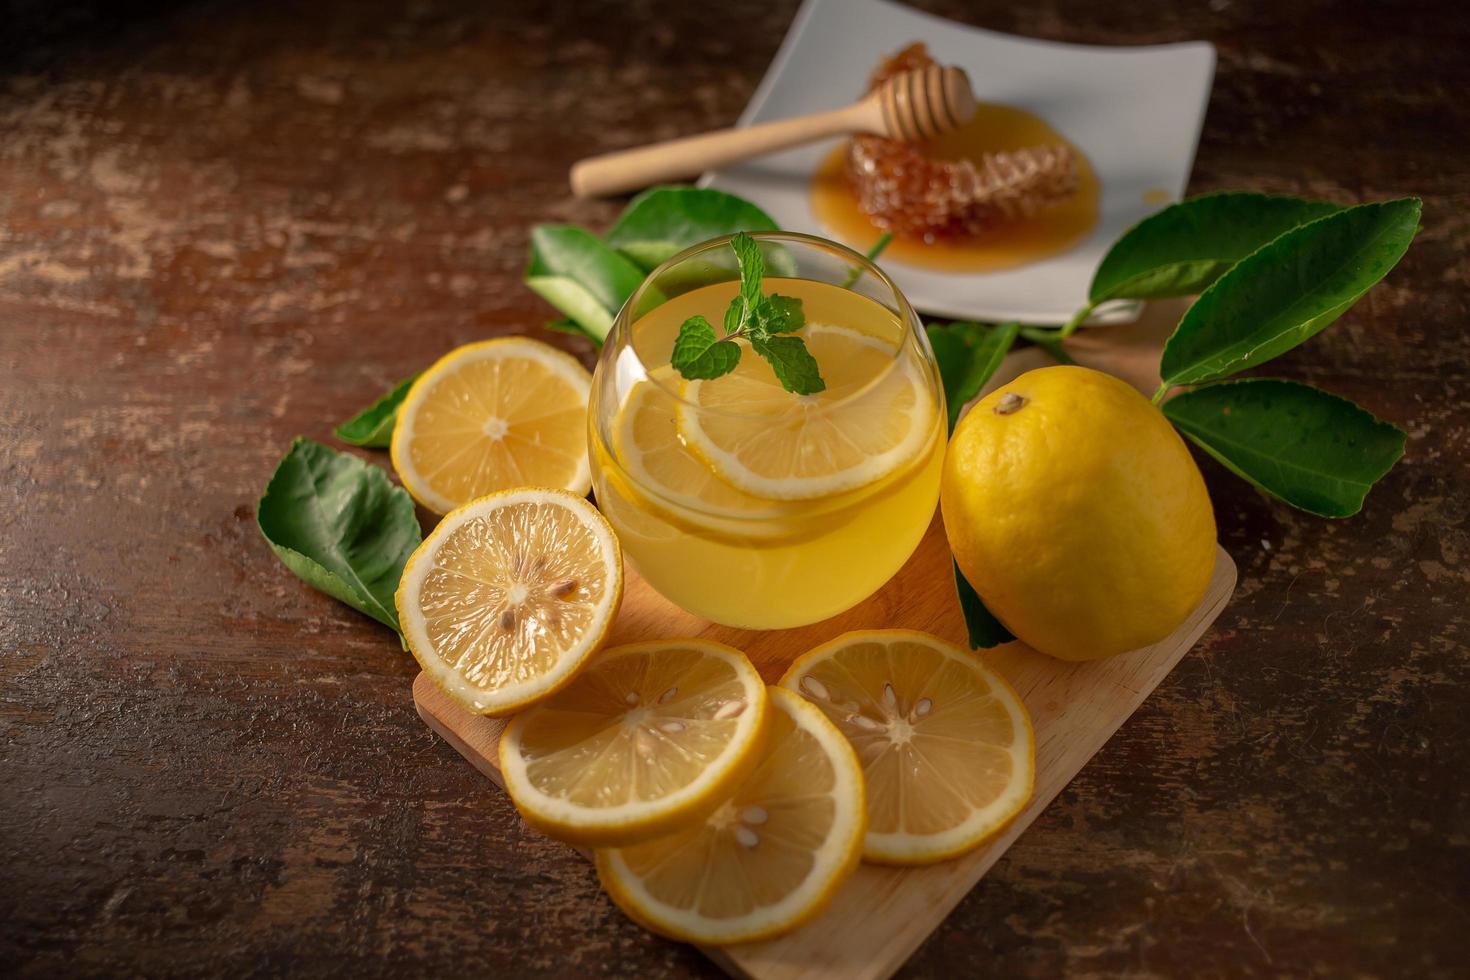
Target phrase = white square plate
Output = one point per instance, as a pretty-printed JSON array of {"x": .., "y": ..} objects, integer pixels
[{"x": 1135, "y": 112}]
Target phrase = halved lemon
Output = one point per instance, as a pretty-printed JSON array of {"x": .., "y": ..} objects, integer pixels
[
  {"x": 509, "y": 595},
  {"x": 875, "y": 415},
  {"x": 769, "y": 857},
  {"x": 946, "y": 745},
  {"x": 491, "y": 416},
  {"x": 647, "y": 737}
]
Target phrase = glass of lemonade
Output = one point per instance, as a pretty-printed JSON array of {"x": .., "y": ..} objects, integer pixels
[{"x": 743, "y": 502}]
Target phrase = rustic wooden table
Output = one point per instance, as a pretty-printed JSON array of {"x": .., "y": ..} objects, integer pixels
[{"x": 224, "y": 224}]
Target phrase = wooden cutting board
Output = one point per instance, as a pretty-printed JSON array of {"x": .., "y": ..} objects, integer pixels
[{"x": 881, "y": 915}]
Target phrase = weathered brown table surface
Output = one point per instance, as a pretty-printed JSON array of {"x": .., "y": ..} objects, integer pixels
[{"x": 224, "y": 224}]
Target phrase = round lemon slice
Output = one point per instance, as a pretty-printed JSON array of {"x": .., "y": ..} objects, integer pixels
[
  {"x": 674, "y": 480},
  {"x": 647, "y": 737},
  {"x": 491, "y": 416},
  {"x": 769, "y": 857},
  {"x": 508, "y": 596},
  {"x": 946, "y": 745},
  {"x": 875, "y": 415}
]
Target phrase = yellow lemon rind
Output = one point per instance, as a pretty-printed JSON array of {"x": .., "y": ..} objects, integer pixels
[
  {"x": 636, "y": 823},
  {"x": 729, "y": 468},
  {"x": 417, "y": 568},
  {"x": 563, "y": 364},
  {"x": 842, "y": 852},
  {"x": 908, "y": 850}
]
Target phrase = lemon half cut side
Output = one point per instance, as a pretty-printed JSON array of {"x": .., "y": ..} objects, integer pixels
[{"x": 509, "y": 595}]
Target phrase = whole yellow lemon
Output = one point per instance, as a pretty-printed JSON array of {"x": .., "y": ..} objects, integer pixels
[{"x": 1077, "y": 513}]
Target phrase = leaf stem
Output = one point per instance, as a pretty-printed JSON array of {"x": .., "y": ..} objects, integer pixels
[
  {"x": 1049, "y": 340},
  {"x": 1159, "y": 395},
  {"x": 873, "y": 253},
  {"x": 1078, "y": 318}
]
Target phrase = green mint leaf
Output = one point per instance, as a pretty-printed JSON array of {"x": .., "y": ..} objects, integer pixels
[
  {"x": 663, "y": 221},
  {"x": 752, "y": 270},
  {"x": 780, "y": 314},
  {"x": 340, "y": 525},
  {"x": 1187, "y": 246},
  {"x": 373, "y": 426},
  {"x": 793, "y": 364},
  {"x": 735, "y": 316},
  {"x": 985, "y": 631},
  {"x": 699, "y": 354},
  {"x": 1288, "y": 290},
  {"x": 968, "y": 354},
  {"x": 1313, "y": 450}
]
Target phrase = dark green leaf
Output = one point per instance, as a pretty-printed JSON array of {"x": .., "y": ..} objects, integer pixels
[
  {"x": 1290, "y": 289},
  {"x": 698, "y": 354},
  {"x": 968, "y": 354},
  {"x": 584, "y": 313},
  {"x": 985, "y": 630},
  {"x": 1187, "y": 246},
  {"x": 341, "y": 525},
  {"x": 781, "y": 314},
  {"x": 373, "y": 426},
  {"x": 1314, "y": 450},
  {"x": 794, "y": 365},
  {"x": 571, "y": 327},
  {"x": 665, "y": 220},
  {"x": 577, "y": 273}
]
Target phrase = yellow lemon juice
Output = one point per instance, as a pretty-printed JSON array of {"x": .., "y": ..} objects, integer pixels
[{"x": 756, "y": 507}]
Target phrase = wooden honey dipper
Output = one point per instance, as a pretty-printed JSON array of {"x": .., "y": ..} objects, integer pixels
[{"x": 913, "y": 107}]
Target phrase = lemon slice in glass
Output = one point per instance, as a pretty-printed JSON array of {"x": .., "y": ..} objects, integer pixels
[
  {"x": 769, "y": 857},
  {"x": 649, "y": 736},
  {"x": 677, "y": 483},
  {"x": 509, "y": 595},
  {"x": 875, "y": 415},
  {"x": 491, "y": 416},
  {"x": 946, "y": 744}
]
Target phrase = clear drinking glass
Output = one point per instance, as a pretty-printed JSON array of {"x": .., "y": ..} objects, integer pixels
[{"x": 738, "y": 500}]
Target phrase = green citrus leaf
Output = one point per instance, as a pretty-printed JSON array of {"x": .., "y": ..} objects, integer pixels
[
  {"x": 582, "y": 309},
  {"x": 572, "y": 327},
  {"x": 663, "y": 221},
  {"x": 373, "y": 426},
  {"x": 574, "y": 271},
  {"x": 1186, "y": 246},
  {"x": 699, "y": 354},
  {"x": 968, "y": 354},
  {"x": 1288, "y": 290},
  {"x": 984, "y": 629},
  {"x": 340, "y": 525},
  {"x": 1313, "y": 450}
]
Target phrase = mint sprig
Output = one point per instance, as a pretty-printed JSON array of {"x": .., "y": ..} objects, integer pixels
[{"x": 766, "y": 321}]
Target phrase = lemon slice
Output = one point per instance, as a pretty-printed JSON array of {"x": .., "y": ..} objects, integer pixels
[
  {"x": 875, "y": 415},
  {"x": 946, "y": 745},
  {"x": 769, "y": 857},
  {"x": 678, "y": 483},
  {"x": 509, "y": 595},
  {"x": 491, "y": 416},
  {"x": 647, "y": 737}
]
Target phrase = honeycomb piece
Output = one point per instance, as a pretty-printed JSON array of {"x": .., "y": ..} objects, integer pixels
[{"x": 904, "y": 190}]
